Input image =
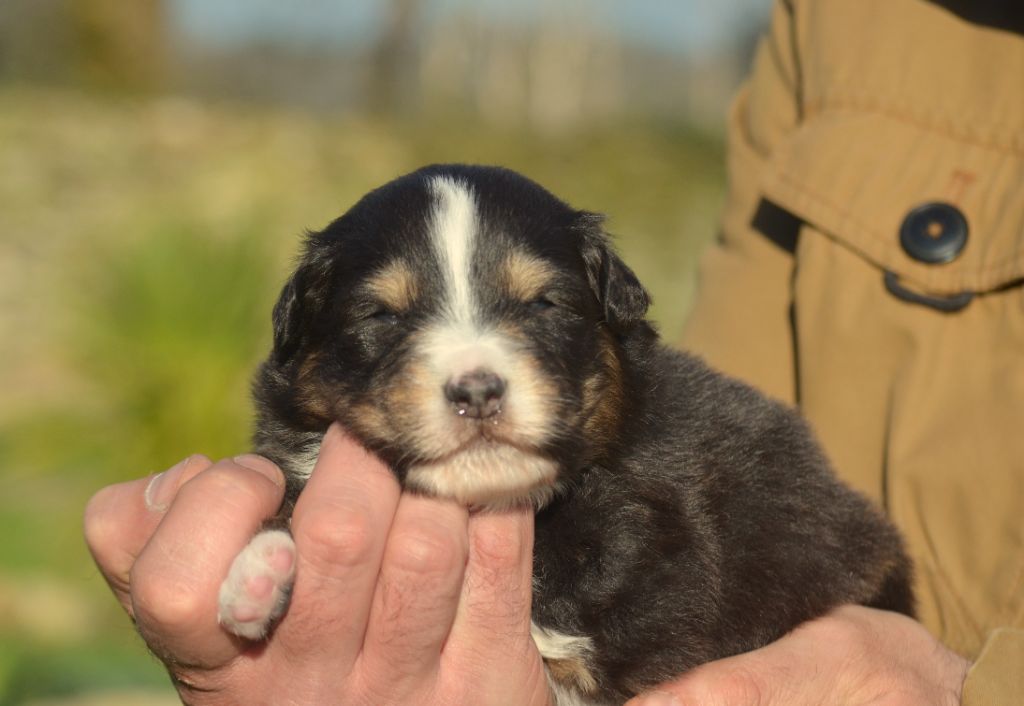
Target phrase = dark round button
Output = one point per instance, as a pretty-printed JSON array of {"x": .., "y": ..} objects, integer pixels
[{"x": 934, "y": 232}]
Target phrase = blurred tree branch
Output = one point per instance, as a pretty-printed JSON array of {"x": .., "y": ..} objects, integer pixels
[{"x": 391, "y": 56}]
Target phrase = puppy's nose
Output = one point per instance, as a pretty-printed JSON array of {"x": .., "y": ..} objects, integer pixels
[{"x": 476, "y": 394}]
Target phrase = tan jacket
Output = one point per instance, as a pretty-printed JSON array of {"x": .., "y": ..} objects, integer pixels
[{"x": 871, "y": 138}]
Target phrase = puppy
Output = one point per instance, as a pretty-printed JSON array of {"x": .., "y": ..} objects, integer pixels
[{"x": 482, "y": 338}]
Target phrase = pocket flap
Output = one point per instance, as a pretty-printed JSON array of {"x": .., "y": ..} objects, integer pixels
[{"x": 858, "y": 176}]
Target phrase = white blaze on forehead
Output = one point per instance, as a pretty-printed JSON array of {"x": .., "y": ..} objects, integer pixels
[
  {"x": 505, "y": 466},
  {"x": 453, "y": 228}
]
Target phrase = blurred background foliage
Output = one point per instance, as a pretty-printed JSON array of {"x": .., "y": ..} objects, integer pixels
[{"x": 159, "y": 160}]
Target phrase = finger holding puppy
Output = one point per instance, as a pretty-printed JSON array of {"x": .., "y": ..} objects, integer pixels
[
  {"x": 417, "y": 594},
  {"x": 174, "y": 582},
  {"x": 340, "y": 525},
  {"x": 853, "y": 655},
  {"x": 120, "y": 519},
  {"x": 382, "y": 588},
  {"x": 491, "y": 634}
]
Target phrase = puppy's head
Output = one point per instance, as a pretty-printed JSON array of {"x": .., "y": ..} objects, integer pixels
[{"x": 464, "y": 324}]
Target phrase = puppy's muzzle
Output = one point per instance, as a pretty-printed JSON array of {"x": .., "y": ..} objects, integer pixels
[{"x": 477, "y": 394}]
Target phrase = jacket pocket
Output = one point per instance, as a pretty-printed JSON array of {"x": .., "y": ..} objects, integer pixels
[{"x": 902, "y": 195}]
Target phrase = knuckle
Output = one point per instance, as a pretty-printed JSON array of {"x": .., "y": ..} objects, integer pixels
[
  {"x": 224, "y": 481},
  {"x": 100, "y": 525},
  {"x": 496, "y": 548},
  {"x": 425, "y": 548},
  {"x": 742, "y": 686},
  {"x": 333, "y": 537},
  {"x": 843, "y": 632},
  {"x": 714, "y": 686},
  {"x": 165, "y": 604}
]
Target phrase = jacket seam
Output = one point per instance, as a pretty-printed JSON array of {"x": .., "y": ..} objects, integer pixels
[
  {"x": 1015, "y": 587},
  {"x": 819, "y": 106}
]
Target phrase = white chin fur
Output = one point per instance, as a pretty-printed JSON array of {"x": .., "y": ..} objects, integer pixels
[{"x": 487, "y": 474}]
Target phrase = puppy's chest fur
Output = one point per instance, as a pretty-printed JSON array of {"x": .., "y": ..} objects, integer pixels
[{"x": 484, "y": 339}]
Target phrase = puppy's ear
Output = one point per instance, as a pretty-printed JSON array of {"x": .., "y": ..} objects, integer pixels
[
  {"x": 301, "y": 295},
  {"x": 288, "y": 319},
  {"x": 618, "y": 290}
]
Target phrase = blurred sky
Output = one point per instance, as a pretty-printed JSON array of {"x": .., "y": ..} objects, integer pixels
[{"x": 683, "y": 26}]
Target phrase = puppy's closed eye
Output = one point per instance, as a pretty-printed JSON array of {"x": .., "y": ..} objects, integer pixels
[
  {"x": 496, "y": 351},
  {"x": 541, "y": 304},
  {"x": 384, "y": 315}
]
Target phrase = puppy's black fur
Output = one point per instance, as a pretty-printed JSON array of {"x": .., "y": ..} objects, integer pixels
[{"x": 688, "y": 517}]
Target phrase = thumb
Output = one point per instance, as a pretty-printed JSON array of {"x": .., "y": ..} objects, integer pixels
[
  {"x": 715, "y": 684},
  {"x": 764, "y": 677}
]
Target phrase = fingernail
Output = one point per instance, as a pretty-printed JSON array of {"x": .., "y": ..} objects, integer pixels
[
  {"x": 655, "y": 698},
  {"x": 162, "y": 488},
  {"x": 263, "y": 466}
]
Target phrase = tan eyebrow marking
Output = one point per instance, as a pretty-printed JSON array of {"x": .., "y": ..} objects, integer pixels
[
  {"x": 394, "y": 286},
  {"x": 526, "y": 276}
]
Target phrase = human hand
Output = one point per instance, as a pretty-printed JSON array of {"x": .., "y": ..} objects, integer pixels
[
  {"x": 853, "y": 655},
  {"x": 398, "y": 599}
]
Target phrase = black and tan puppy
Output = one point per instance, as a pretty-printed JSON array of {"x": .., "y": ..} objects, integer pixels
[{"x": 482, "y": 338}]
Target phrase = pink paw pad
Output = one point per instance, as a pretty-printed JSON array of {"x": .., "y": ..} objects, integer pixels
[{"x": 256, "y": 590}]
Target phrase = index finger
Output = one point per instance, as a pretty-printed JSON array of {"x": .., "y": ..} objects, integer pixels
[
  {"x": 120, "y": 519},
  {"x": 340, "y": 525},
  {"x": 176, "y": 579}
]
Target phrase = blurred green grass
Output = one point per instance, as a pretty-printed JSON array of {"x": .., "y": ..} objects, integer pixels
[{"x": 142, "y": 243}]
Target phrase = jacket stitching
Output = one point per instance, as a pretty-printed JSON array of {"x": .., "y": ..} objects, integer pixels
[{"x": 1012, "y": 145}]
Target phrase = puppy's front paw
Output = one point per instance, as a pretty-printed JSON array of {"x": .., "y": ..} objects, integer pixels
[{"x": 257, "y": 588}]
